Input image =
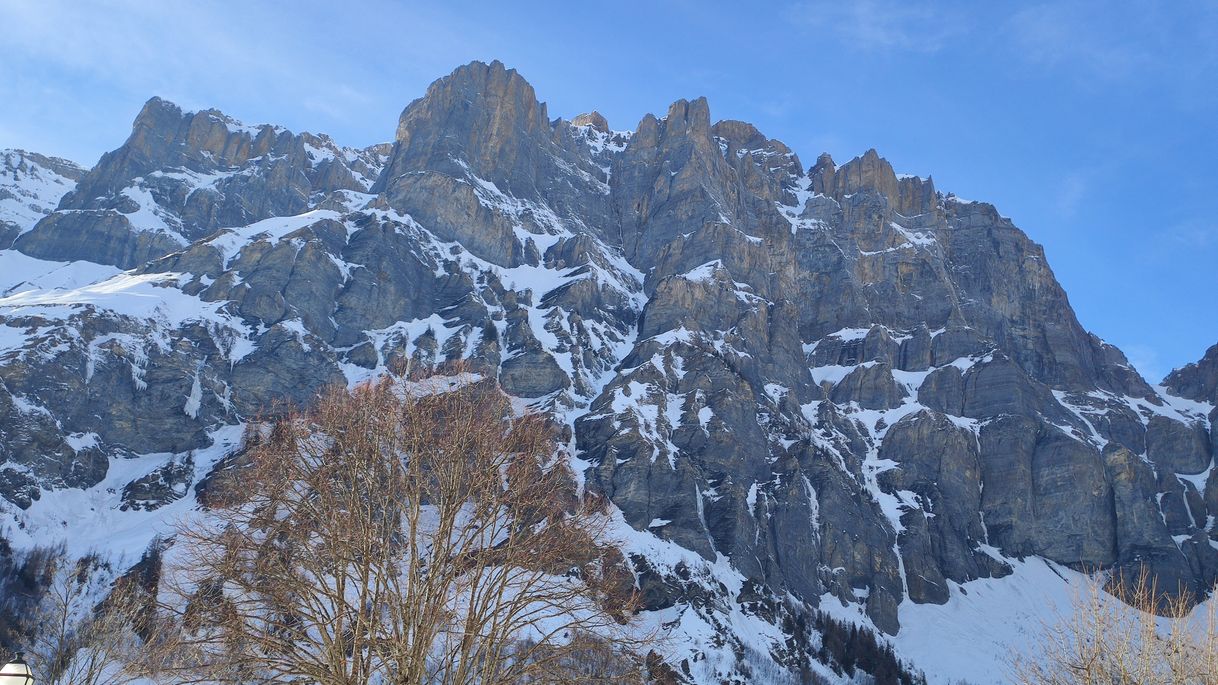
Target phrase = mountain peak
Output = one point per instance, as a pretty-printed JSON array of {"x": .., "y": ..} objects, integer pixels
[
  {"x": 866, "y": 172},
  {"x": 155, "y": 105},
  {"x": 742, "y": 133},
  {"x": 475, "y": 93},
  {"x": 869, "y": 172},
  {"x": 693, "y": 115},
  {"x": 1197, "y": 381},
  {"x": 164, "y": 135},
  {"x": 594, "y": 119}
]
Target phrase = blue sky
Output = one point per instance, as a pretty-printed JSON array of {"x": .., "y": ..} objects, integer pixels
[{"x": 1094, "y": 125}]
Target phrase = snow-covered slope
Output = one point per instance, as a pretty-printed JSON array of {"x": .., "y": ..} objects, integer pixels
[{"x": 31, "y": 186}]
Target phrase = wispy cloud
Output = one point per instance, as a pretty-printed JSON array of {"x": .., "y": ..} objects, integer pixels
[
  {"x": 261, "y": 56},
  {"x": 1194, "y": 233},
  {"x": 878, "y": 25},
  {"x": 1110, "y": 42},
  {"x": 1070, "y": 194},
  {"x": 1067, "y": 34}
]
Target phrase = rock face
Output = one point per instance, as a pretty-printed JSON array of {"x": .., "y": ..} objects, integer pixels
[{"x": 798, "y": 385}]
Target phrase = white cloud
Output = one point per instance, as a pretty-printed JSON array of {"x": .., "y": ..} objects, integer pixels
[{"x": 881, "y": 24}]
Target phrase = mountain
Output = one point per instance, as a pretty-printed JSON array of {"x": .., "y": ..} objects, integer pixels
[
  {"x": 808, "y": 390},
  {"x": 182, "y": 175}
]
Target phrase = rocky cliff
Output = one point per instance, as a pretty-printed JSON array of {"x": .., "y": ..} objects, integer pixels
[{"x": 802, "y": 387}]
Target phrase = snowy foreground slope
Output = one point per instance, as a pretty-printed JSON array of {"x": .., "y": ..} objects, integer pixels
[{"x": 805, "y": 389}]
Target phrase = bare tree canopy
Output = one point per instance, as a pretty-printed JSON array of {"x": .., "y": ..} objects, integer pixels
[
  {"x": 403, "y": 532},
  {"x": 67, "y": 634},
  {"x": 1125, "y": 633}
]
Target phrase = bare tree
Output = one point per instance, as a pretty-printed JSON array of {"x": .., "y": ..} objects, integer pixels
[
  {"x": 84, "y": 629},
  {"x": 1125, "y": 634},
  {"x": 405, "y": 532}
]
